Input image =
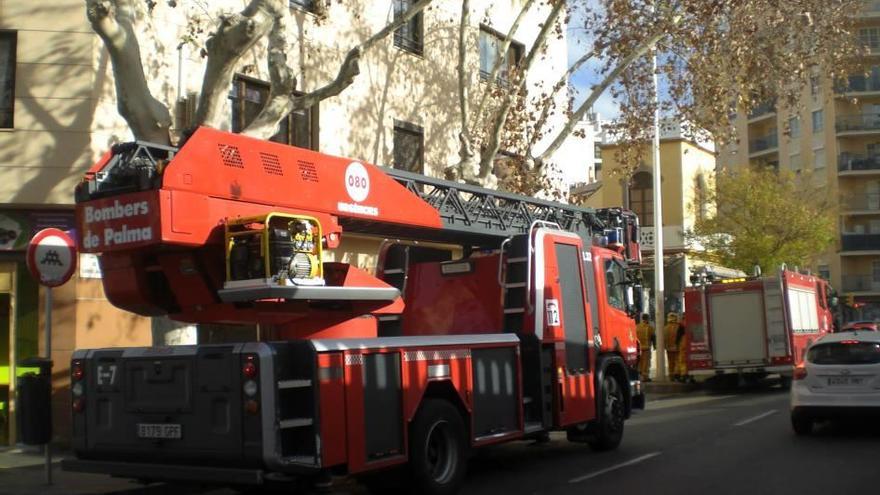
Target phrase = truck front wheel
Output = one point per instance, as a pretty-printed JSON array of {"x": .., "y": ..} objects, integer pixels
[
  {"x": 608, "y": 429},
  {"x": 437, "y": 449}
]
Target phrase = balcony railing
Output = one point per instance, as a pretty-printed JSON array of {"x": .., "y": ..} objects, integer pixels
[
  {"x": 858, "y": 122},
  {"x": 764, "y": 143},
  {"x": 860, "y": 242},
  {"x": 860, "y": 283},
  {"x": 852, "y": 162},
  {"x": 863, "y": 202},
  {"x": 762, "y": 109},
  {"x": 862, "y": 84},
  {"x": 871, "y": 7}
]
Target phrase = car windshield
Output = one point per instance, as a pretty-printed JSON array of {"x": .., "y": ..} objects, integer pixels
[{"x": 845, "y": 353}]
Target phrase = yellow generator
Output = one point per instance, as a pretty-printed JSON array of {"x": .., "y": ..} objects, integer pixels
[{"x": 277, "y": 248}]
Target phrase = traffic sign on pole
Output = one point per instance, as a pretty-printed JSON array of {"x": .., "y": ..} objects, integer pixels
[{"x": 51, "y": 257}]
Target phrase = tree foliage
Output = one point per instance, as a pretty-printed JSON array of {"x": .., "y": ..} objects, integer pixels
[
  {"x": 715, "y": 58},
  {"x": 764, "y": 218}
]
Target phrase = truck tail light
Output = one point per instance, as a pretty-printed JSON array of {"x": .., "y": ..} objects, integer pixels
[
  {"x": 800, "y": 373},
  {"x": 77, "y": 386},
  {"x": 77, "y": 371},
  {"x": 249, "y": 369},
  {"x": 251, "y": 386}
]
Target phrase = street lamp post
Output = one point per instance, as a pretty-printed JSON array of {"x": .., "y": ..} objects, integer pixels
[{"x": 659, "y": 309}]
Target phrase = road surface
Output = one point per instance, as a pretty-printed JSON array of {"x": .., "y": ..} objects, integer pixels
[{"x": 705, "y": 444}]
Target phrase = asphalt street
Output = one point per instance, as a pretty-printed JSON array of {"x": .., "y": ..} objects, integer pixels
[
  {"x": 733, "y": 443},
  {"x": 706, "y": 444},
  {"x": 729, "y": 443}
]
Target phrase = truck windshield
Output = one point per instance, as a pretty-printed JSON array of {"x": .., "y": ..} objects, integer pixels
[
  {"x": 614, "y": 284},
  {"x": 845, "y": 353}
]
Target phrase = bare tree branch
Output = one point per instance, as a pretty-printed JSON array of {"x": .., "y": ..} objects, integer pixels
[
  {"x": 148, "y": 118},
  {"x": 600, "y": 88},
  {"x": 561, "y": 83},
  {"x": 283, "y": 83},
  {"x": 282, "y": 103},
  {"x": 236, "y": 34},
  {"x": 494, "y": 144},
  {"x": 505, "y": 45},
  {"x": 467, "y": 157}
]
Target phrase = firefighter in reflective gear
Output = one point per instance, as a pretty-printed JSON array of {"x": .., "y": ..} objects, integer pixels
[
  {"x": 647, "y": 342},
  {"x": 683, "y": 345},
  {"x": 672, "y": 335}
]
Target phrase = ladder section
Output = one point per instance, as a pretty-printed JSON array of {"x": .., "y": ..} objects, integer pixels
[
  {"x": 297, "y": 403},
  {"x": 515, "y": 280},
  {"x": 394, "y": 272},
  {"x": 536, "y": 359},
  {"x": 468, "y": 209},
  {"x": 774, "y": 318}
]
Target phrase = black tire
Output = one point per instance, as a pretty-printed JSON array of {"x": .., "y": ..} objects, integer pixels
[
  {"x": 608, "y": 429},
  {"x": 801, "y": 424},
  {"x": 437, "y": 449}
]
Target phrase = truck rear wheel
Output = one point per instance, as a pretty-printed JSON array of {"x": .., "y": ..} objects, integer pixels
[
  {"x": 437, "y": 449},
  {"x": 608, "y": 429}
]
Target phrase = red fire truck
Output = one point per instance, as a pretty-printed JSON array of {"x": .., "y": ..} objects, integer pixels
[
  {"x": 490, "y": 317},
  {"x": 748, "y": 328}
]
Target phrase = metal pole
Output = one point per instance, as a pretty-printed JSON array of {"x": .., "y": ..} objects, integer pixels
[
  {"x": 49, "y": 371},
  {"x": 12, "y": 420},
  {"x": 659, "y": 310}
]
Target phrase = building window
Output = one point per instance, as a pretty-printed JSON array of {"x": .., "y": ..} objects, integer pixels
[
  {"x": 825, "y": 272},
  {"x": 794, "y": 127},
  {"x": 249, "y": 96},
  {"x": 818, "y": 121},
  {"x": 490, "y": 54},
  {"x": 815, "y": 86},
  {"x": 819, "y": 159},
  {"x": 7, "y": 78},
  {"x": 701, "y": 197},
  {"x": 409, "y": 147},
  {"x": 870, "y": 37},
  {"x": 795, "y": 163},
  {"x": 307, "y": 5},
  {"x": 408, "y": 36},
  {"x": 641, "y": 198}
]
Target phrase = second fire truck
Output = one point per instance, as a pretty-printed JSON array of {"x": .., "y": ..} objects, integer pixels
[
  {"x": 488, "y": 318},
  {"x": 748, "y": 328}
]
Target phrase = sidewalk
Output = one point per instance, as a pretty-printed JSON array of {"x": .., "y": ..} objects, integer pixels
[
  {"x": 22, "y": 472},
  {"x": 670, "y": 388}
]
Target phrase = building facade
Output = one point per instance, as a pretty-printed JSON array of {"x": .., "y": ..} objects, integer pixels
[
  {"x": 687, "y": 172},
  {"x": 58, "y": 116},
  {"x": 834, "y": 138}
]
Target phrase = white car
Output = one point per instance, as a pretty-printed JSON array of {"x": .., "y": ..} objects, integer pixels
[{"x": 839, "y": 377}]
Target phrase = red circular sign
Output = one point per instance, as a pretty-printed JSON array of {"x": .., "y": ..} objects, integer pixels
[{"x": 51, "y": 257}]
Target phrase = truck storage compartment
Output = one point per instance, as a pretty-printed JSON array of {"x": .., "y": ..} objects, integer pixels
[
  {"x": 161, "y": 404},
  {"x": 738, "y": 336}
]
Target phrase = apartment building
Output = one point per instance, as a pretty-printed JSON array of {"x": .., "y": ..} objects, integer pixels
[
  {"x": 834, "y": 140},
  {"x": 58, "y": 115}
]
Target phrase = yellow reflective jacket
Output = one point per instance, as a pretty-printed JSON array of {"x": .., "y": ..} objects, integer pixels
[
  {"x": 645, "y": 333},
  {"x": 670, "y": 332}
]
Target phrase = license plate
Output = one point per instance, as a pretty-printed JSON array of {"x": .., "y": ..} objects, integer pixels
[
  {"x": 844, "y": 380},
  {"x": 159, "y": 430}
]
